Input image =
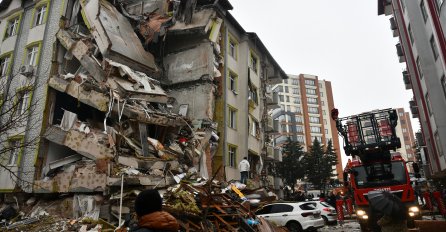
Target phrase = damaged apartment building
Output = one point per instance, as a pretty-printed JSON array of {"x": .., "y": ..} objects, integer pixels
[{"x": 133, "y": 92}]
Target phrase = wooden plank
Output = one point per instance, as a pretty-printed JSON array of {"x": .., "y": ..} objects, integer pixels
[{"x": 223, "y": 221}]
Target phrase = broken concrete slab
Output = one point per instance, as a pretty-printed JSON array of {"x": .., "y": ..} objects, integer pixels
[
  {"x": 201, "y": 23},
  {"x": 109, "y": 28},
  {"x": 180, "y": 68},
  {"x": 89, "y": 97},
  {"x": 92, "y": 146},
  {"x": 201, "y": 96}
]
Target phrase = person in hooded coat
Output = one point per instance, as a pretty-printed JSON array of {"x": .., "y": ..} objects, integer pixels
[{"x": 151, "y": 218}]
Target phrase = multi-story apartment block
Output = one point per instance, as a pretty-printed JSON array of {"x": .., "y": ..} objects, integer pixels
[
  {"x": 97, "y": 97},
  {"x": 419, "y": 26},
  {"x": 405, "y": 133},
  {"x": 306, "y": 103}
]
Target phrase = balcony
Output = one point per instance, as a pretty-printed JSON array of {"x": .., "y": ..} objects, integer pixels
[
  {"x": 281, "y": 139},
  {"x": 420, "y": 139},
  {"x": 414, "y": 109},
  {"x": 278, "y": 155},
  {"x": 393, "y": 25},
  {"x": 272, "y": 126},
  {"x": 400, "y": 53},
  {"x": 272, "y": 100},
  {"x": 406, "y": 79},
  {"x": 269, "y": 153}
]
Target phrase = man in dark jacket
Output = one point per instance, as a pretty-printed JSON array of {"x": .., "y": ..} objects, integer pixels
[{"x": 151, "y": 218}]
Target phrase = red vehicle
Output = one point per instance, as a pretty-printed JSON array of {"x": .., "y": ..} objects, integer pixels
[{"x": 369, "y": 138}]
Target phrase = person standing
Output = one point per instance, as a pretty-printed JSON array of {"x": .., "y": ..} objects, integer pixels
[
  {"x": 244, "y": 167},
  {"x": 417, "y": 190},
  {"x": 151, "y": 218}
]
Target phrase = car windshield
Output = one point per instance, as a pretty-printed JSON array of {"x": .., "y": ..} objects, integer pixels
[
  {"x": 380, "y": 174},
  {"x": 325, "y": 204}
]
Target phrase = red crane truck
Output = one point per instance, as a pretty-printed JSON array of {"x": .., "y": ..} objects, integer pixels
[{"x": 369, "y": 138}]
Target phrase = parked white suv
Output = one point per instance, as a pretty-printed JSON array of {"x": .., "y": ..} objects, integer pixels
[
  {"x": 328, "y": 213},
  {"x": 296, "y": 216}
]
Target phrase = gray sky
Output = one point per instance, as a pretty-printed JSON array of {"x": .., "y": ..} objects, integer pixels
[{"x": 342, "y": 41}]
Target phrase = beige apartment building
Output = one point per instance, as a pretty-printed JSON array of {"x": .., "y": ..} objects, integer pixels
[
  {"x": 405, "y": 133},
  {"x": 306, "y": 102}
]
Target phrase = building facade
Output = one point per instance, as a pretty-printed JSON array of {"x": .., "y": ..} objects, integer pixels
[
  {"x": 405, "y": 133},
  {"x": 92, "y": 104},
  {"x": 419, "y": 26},
  {"x": 306, "y": 103}
]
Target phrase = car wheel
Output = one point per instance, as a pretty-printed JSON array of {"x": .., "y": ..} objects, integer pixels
[
  {"x": 325, "y": 220},
  {"x": 294, "y": 227}
]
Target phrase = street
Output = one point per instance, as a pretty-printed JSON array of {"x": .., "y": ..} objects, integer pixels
[{"x": 349, "y": 225}]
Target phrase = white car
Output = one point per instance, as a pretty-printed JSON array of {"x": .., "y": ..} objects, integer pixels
[
  {"x": 328, "y": 213},
  {"x": 296, "y": 216}
]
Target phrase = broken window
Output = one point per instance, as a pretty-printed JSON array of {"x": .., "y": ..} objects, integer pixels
[
  {"x": 13, "y": 27},
  {"x": 252, "y": 93},
  {"x": 31, "y": 55},
  {"x": 253, "y": 62},
  {"x": 232, "y": 155},
  {"x": 14, "y": 146},
  {"x": 23, "y": 99},
  {"x": 254, "y": 129},
  {"x": 39, "y": 15},
  {"x": 4, "y": 65}
]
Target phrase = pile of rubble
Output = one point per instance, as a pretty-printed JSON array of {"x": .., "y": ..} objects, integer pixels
[{"x": 113, "y": 130}]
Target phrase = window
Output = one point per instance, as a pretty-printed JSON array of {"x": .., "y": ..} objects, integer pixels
[
  {"x": 296, "y": 91},
  {"x": 281, "y": 98},
  {"x": 326, "y": 131},
  {"x": 284, "y": 129},
  {"x": 315, "y": 129},
  {"x": 401, "y": 114},
  {"x": 439, "y": 4},
  {"x": 232, "y": 49},
  {"x": 410, "y": 34},
  {"x": 420, "y": 71},
  {"x": 295, "y": 82},
  {"x": 434, "y": 47},
  {"x": 423, "y": 10},
  {"x": 318, "y": 138},
  {"x": 39, "y": 17},
  {"x": 252, "y": 93},
  {"x": 286, "y": 89},
  {"x": 312, "y": 100},
  {"x": 253, "y": 62},
  {"x": 232, "y": 81},
  {"x": 438, "y": 144},
  {"x": 232, "y": 118},
  {"x": 298, "y": 109},
  {"x": 23, "y": 97},
  {"x": 403, "y": 122},
  {"x": 4, "y": 65},
  {"x": 296, "y": 100},
  {"x": 323, "y": 112},
  {"x": 443, "y": 84},
  {"x": 309, "y": 82},
  {"x": 322, "y": 103},
  {"x": 320, "y": 85},
  {"x": 325, "y": 121},
  {"x": 254, "y": 129},
  {"x": 232, "y": 155},
  {"x": 310, "y": 91},
  {"x": 428, "y": 103},
  {"x": 313, "y": 110},
  {"x": 315, "y": 119},
  {"x": 300, "y": 139},
  {"x": 322, "y": 94},
  {"x": 14, "y": 146},
  {"x": 287, "y": 98},
  {"x": 31, "y": 55},
  {"x": 404, "y": 130},
  {"x": 299, "y": 119},
  {"x": 13, "y": 27},
  {"x": 299, "y": 129}
]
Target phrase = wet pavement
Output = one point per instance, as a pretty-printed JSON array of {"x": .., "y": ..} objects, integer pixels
[{"x": 349, "y": 225}]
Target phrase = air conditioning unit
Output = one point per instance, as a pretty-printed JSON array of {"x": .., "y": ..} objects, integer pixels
[{"x": 27, "y": 70}]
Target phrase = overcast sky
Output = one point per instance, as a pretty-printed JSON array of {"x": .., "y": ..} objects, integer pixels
[{"x": 342, "y": 41}]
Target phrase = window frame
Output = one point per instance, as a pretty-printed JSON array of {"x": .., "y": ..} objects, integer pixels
[
  {"x": 8, "y": 55},
  {"x": 434, "y": 47},
  {"x": 232, "y": 156},
  {"x": 232, "y": 117},
  {"x": 233, "y": 81},
  {"x": 420, "y": 70},
  {"x": 233, "y": 50},
  {"x": 36, "y": 11},
  {"x": 311, "y": 92},
  {"x": 25, "y": 105},
  {"x": 423, "y": 11},
  {"x": 409, "y": 29},
  {"x": 18, "y": 15},
  {"x": 253, "y": 65},
  {"x": 20, "y": 140}
]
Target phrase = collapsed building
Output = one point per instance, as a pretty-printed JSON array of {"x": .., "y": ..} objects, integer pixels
[{"x": 138, "y": 94}]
